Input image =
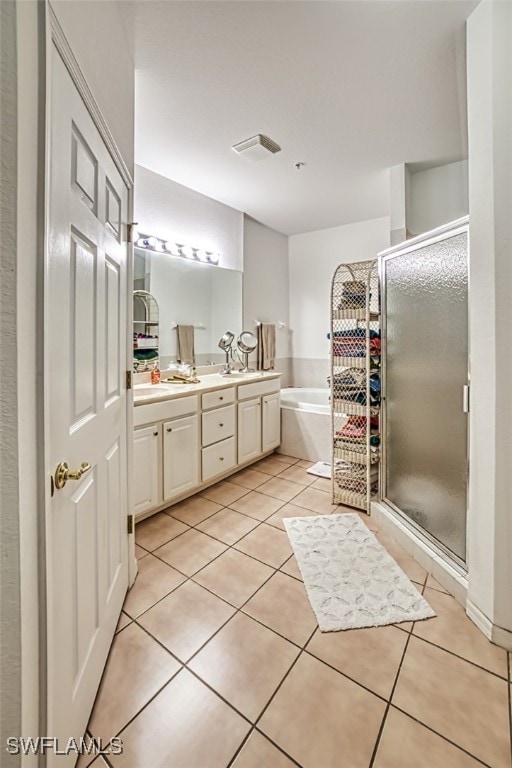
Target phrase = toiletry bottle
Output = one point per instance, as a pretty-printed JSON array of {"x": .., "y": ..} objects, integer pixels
[{"x": 155, "y": 376}]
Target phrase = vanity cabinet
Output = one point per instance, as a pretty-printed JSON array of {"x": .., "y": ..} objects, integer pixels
[
  {"x": 146, "y": 486},
  {"x": 218, "y": 458},
  {"x": 180, "y": 456},
  {"x": 249, "y": 430},
  {"x": 271, "y": 422},
  {"x": 182, "y": 444},
  {"x": 218, "y": 453},
  {"x": 259, "y": 419}
]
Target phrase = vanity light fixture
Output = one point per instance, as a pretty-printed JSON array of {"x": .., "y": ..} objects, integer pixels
[{"x": 151, "y": 243}]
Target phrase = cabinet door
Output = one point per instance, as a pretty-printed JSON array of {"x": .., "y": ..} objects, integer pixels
[
  {"x": 181, "y": 456},
  {"x": 271, "y": 422},
  {"x": 249, "y": 429},
  {"x": 146, "y": 488}
]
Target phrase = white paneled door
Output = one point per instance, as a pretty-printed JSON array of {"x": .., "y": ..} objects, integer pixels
[{"x": 86, "y": 305}]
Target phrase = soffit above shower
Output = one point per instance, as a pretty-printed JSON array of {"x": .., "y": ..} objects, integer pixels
[{"x": 348, "y": 88}]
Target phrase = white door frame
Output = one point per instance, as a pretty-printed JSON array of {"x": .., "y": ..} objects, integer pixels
[{"x": 54, "y": 36}]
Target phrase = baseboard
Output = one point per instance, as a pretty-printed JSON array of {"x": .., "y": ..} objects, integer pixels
[
  {"x": 450, "y": 578},
  {"x": 497, "y": 635},
  {"x": 446, "y": 574}
]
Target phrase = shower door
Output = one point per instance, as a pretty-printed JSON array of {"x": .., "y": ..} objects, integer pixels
[{"x": 425, "y": 321}]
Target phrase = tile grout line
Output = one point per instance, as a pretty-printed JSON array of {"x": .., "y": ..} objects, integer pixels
[
  {"x": 257, "y": 720},
  {"x": 269, "y": 702},
  {"x": 461, "y": 658},
  {"x": 388, "y": 705},
  {"x": 237, "y": 610},
  {"x": 440, "y": 735},
  {"x": 152, "y": 698},
  {"x": 191, "y": 578},
  {"x": 184, "y": 665},
  {"x": 344, "y": 674}
]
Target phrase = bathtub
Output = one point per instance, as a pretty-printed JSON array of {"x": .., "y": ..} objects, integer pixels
[{"x": 305, "y": 423}]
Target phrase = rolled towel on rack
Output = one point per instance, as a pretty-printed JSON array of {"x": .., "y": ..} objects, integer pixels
[
  {"x": 186, "y": 343},
  {"x": 266, "y": 349}
]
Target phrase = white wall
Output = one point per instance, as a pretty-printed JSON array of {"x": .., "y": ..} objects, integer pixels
[
  {"x": 10, "y": 617},
  {"x": 313, "y": 258},
  {"x": 489, "y": 57},
  {"x": 30, "y": 354},
  {"x": 266, "y": 284},
  {"x": 437, "y": 196},
  {"x": 103, "y": 45},
  {"x": 171, "y": 211}
]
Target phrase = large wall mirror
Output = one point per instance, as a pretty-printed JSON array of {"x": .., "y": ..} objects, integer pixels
[{"x": 190, "y": 293}]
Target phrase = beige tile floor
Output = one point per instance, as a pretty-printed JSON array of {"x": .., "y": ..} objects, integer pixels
[{"x": 217, "y": 661}]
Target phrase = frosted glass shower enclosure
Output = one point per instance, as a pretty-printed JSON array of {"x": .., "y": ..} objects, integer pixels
[{"x": 425, "y": 375}]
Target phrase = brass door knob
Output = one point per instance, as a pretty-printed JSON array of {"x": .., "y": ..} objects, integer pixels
[{"x": 63, "y": 473}]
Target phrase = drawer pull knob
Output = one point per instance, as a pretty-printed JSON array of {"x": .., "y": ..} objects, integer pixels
[
  {"x": 221, "y": 458},
  {"x": 221, "y": 425},
  {"x": 155, "y": 434},
  {"x": 221, "y": 398},
  {"x": 169, "y": 429}
]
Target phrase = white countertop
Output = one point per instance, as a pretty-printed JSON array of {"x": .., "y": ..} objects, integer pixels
[{"x": 151, "y": 393}]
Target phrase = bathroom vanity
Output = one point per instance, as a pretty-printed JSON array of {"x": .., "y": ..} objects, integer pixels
[{"x": 190, "y": 436}]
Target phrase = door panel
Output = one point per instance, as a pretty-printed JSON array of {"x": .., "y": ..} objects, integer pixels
[
  {"x": 85, "y": 358},
  {"x": 112, "y": 330},
  {"x": 426, "y": 367},
  {"x": 83, "y": 328},
  {"x": 114, "y": 531}
]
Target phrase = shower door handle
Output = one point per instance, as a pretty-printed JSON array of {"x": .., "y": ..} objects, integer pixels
[{"x": 465, "y": 398}]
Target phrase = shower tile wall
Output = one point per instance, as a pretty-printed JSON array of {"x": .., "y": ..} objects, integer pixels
[{"x": 283, "y": 365}]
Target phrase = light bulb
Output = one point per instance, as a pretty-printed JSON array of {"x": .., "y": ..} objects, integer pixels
[
  {"x": 214, "y": 258},
  {"x": 152, "y": 242},
  {"x": 201, "y": 255},
  {"x": 187, "y": 251}
]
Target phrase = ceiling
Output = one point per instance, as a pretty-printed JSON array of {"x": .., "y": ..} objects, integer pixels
[{"x": 347, "y": 88}]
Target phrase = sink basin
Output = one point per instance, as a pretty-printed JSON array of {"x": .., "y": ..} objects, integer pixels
[
  {"x": 154, "y": 389},
  {"x": 238, "y": 374}
]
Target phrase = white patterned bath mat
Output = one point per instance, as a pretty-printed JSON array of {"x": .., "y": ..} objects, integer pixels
[
  {"x": 350, "y": 579},
  {"x": 321, "y": 468}
]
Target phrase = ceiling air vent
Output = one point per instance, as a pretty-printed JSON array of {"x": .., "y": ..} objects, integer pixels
[{"x": 257, "y": 147}]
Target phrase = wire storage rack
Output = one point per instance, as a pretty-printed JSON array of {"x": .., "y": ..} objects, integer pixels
[
  {"x": 355, "y": 383},
  {"x": 145, "y": 332}
]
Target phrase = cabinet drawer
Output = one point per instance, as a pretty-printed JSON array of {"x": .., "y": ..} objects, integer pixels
[
  {"x": 258, "y": 388},
  {"x": 218, "y": 424},
  {"x": 218, "y": 458},
  {"x": 219, "y": 397},
  {"x": 165, "y": 409}
]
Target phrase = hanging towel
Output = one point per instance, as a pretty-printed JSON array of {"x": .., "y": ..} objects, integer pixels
[
  {"x": 185, "y": 343},
  {"x": 266, "y": 346}
]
